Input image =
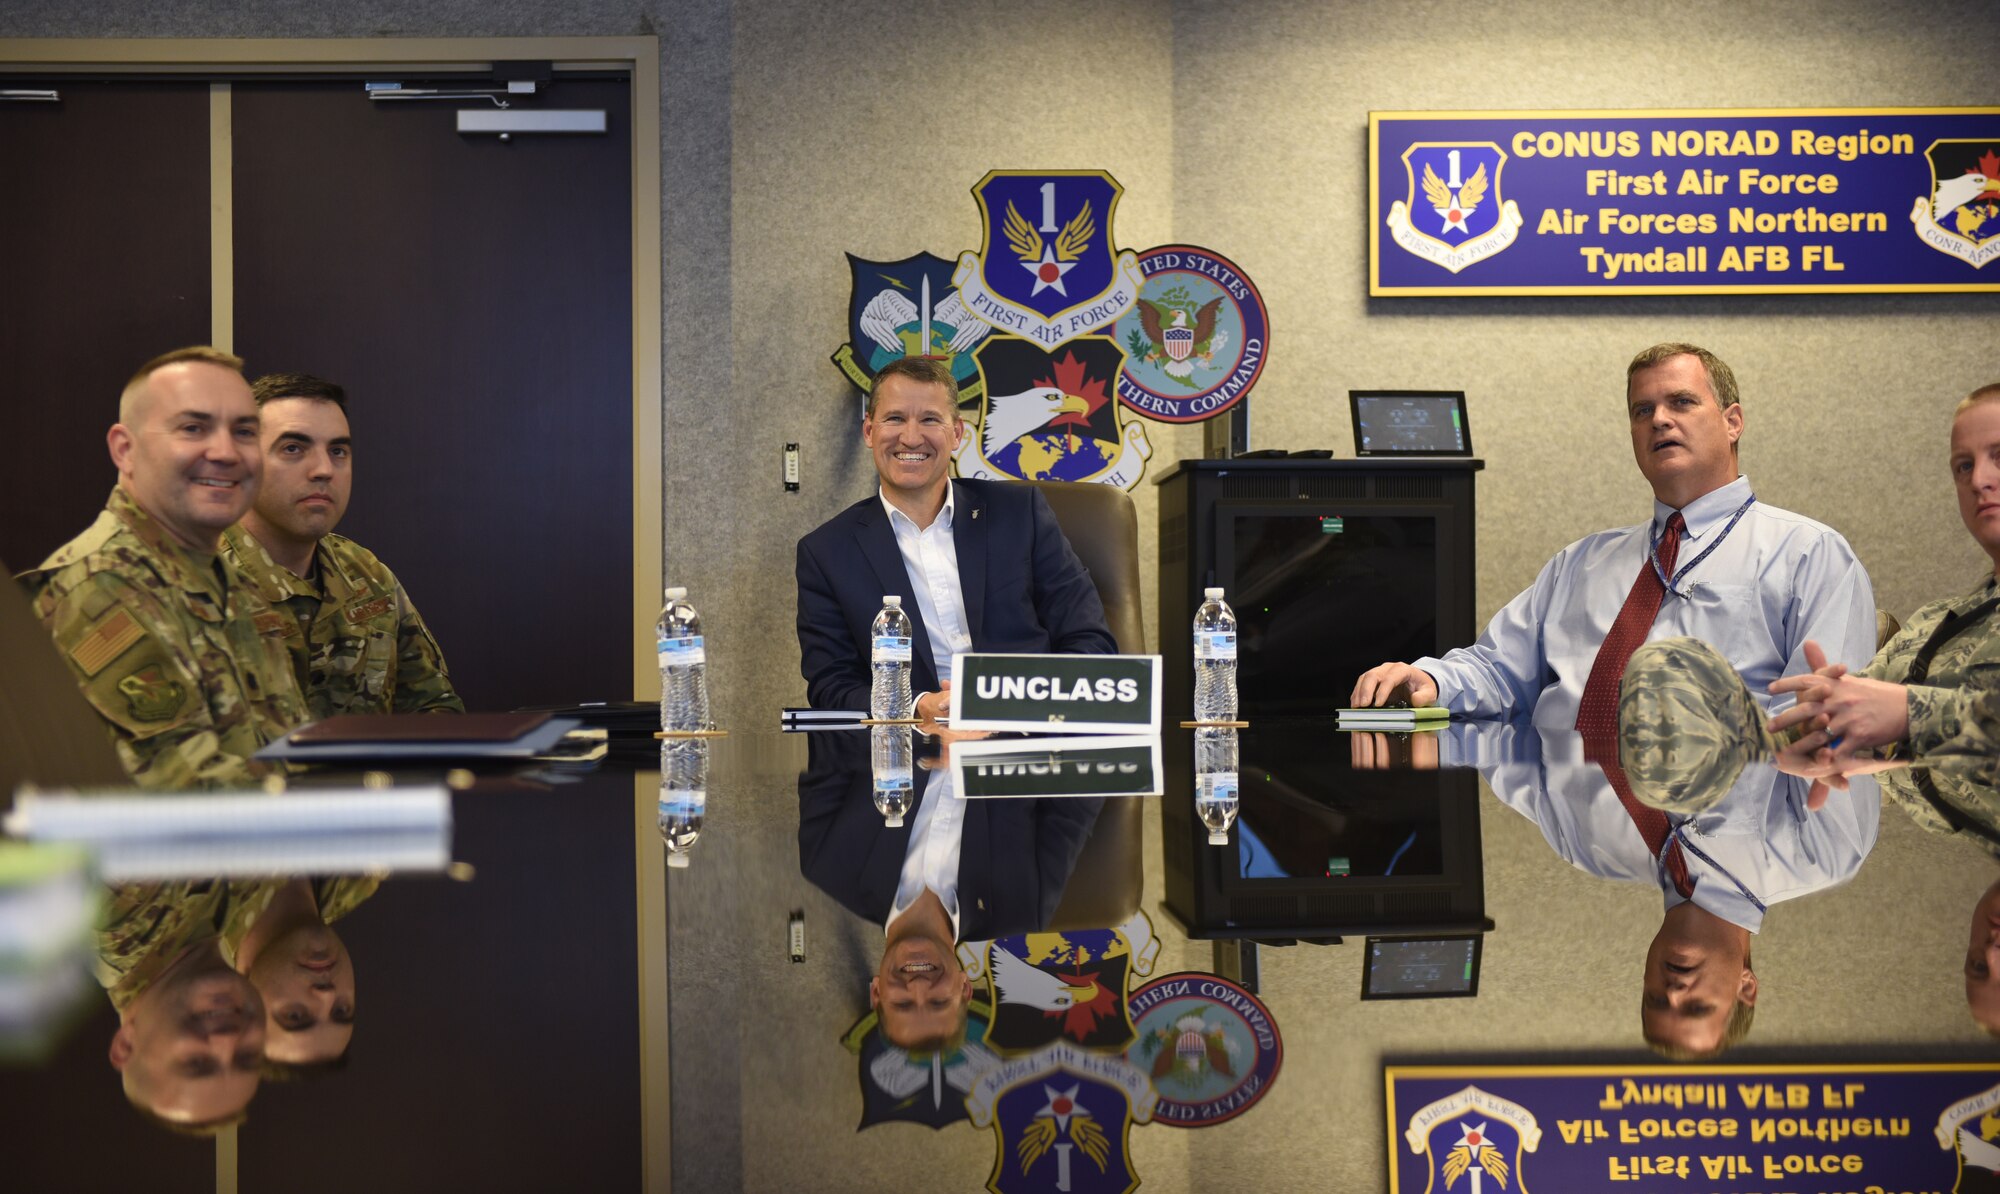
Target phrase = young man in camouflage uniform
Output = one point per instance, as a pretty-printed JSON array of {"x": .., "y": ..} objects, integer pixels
[
  {"x": 182, "y": 660},
  {"x": 356, "y": 641}
]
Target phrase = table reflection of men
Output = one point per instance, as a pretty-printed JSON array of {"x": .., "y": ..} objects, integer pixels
[
  {"x": 1738, "y": 842},
  {"x": 190, "y": 1036},
  {"x": 958, "y": 870},
  {"x": 302, "y": 970}
]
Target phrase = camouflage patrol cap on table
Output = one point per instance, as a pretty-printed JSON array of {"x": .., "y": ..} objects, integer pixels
[{"x": 1686, "y": 725}]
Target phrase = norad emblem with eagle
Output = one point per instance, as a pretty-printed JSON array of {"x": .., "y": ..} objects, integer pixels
[
  {"x": 1961, "y": 214},
  {"x": 1467, "y": 1138},
  {"x": 1052, "y": 415}
]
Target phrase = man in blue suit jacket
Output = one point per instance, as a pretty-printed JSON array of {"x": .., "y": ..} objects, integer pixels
[{"x": 980, "y": 565}]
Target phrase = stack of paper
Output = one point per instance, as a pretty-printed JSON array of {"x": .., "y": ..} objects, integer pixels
[
  {"x": 1429, "y": 717},
  {"x": 324, "y": 832}
]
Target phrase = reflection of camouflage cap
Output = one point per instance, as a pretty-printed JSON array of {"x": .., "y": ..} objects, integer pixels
[{"x": 1686, "y": 725}]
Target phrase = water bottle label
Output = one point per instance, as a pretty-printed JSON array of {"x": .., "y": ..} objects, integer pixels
[
  {"x": 682, "y": 652},
  {"x": 892, "y": 781},
  {"x": 1223, "y": 784},
  {"x": 890, "y": 648},
  {"x": 1215, "y": 644}
]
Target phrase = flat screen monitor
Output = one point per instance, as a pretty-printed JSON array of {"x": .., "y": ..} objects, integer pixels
[
  {"x": 1422, "y": 967},
  {"x": 1321, "y": 595},
  {"x": 1410, "y": 423}
]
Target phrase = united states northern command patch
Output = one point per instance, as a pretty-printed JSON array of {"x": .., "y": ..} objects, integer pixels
[
  {"x": 1210, "y": 1047},
  {"x": 106, "y": 641}
]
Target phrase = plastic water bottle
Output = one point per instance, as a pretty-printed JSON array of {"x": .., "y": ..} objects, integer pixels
[
  {"x": 1214, "y": 659},
  {"x": 889, "y": 661},
  {"x": 1215, "y": 798},
  {"x": 683, "y": 795},
  {"x": 890, "y": 751},
  {"x": 683, "y": 666}
]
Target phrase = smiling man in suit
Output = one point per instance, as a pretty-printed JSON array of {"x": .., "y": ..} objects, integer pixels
[{"x": 980, "y": 565}]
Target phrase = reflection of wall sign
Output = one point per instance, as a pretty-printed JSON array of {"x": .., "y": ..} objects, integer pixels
[
  {"x": 1197, "y": 339},
  {"x": 1210, "y": 1047},
  {"x": 926, "y": 1088},
  {"x": 1047, "y": 987},
  {"x": 1064, "y": 1117}
]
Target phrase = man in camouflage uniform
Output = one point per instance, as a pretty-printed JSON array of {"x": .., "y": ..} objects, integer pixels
[
  {"x": 356, "y": 641},
  {"x": 182, "y": 660},
  {"x": 190, "y": 1040}
]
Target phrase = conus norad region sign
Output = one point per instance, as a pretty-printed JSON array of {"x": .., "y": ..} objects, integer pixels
[{"x": 1692, "y": 201}]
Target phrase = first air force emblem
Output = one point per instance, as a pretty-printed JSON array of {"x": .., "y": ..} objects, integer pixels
[
  {"x": 1064, "y": 1117},
  {"x": 1047, "y": 270},
  {"x": 1472, "y": 1142},
  {"x": 1461, "y": 218}
]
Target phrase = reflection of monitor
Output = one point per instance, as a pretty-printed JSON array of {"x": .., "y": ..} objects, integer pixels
[
  {"x": 1410, "y": 423},
  {"x": 1422, "y": 968}
]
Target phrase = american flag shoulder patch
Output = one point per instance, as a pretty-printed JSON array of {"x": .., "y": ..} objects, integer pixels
[{"x": 106, "y": 641}]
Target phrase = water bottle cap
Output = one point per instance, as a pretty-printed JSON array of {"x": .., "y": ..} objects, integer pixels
[
  {"x": 894, "y": 822},
  {"x": 676, "y": 593},
  {"x": 1212, "y": 594},
  {"x": 1219, "y": 838},
  {"x": 892, "y": 600},
  {"x": 676, "y": 860}
]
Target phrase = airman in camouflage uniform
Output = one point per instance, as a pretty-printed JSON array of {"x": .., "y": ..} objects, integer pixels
[
  {"x": 184, "y": 662},
  {"x": 146, "y": 926},
  {"x": 356, "y": 641}
]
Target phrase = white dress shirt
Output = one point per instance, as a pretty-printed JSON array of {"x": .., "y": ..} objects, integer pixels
[
  {"x": 1770, "y": 583},
  {"x": 930, "y": 556},
  {"x": 932, "y": 858},
  {"x": 1755, "y": 847}
]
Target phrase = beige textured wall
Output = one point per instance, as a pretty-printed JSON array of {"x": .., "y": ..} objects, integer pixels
[{"x": 1847, "y": 398}]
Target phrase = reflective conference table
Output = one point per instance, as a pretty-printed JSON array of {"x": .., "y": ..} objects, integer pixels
[{"x": 579, "y": 1015}]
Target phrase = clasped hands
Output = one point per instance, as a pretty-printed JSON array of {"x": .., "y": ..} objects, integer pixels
[{"x": 1842, "y": 716}]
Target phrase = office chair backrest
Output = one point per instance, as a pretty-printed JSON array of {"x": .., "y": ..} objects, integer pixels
[{"x": 1102, "y": 524}]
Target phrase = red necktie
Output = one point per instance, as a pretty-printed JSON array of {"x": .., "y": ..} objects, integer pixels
[{"x": 1597, "y": 715}]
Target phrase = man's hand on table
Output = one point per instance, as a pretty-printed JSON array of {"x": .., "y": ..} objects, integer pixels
[{"x": 1393, "y": 683}]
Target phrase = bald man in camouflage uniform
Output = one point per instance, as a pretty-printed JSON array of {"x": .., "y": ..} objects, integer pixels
[
  {"x": 356, "y": 640},
  {"x": 178, "y": 655}
]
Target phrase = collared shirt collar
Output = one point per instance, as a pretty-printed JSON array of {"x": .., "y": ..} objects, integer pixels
[
  {"x": 274, "y": 582},
  {"x": 193, "y": 570},
  {"x": 1708, "y": 510},
  {"x": 944, "y": 516}
]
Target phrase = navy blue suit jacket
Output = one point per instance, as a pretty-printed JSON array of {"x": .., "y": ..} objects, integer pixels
[
  {"x": 1015, "y": 858},
  {"x": 1025, "y": 590}
]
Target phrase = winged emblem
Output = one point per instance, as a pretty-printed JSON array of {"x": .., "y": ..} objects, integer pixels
[
  {"x": 1062, "y": 1114},
  {"x": 1455, "y": 209},
  {"x": 888, "y": 315},
  {"x": 1049, "y": 262},
  {"x": 1475, "y": 1145}
]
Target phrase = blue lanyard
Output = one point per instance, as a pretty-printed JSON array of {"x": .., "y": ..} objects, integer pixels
[
  {"x": 1653, "y": 546},
  {"x": 1688, "y": 846}
]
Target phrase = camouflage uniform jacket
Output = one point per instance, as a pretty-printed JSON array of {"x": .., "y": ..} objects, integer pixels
[
  {"x": 1965, "y": 665},
  {"x": 1954, "y": 718},
  {"x": 356, "y": 641},
  {"x": 146, "y": 926},
  {"x": 334, "y": 895},
  {"x": 181, "y": 658}
]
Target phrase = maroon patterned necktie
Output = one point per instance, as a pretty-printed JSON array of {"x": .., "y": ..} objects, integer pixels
[{"x": 1597, "y": 715}]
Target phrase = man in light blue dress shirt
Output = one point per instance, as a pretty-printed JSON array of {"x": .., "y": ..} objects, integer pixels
[{"x": 1750, "y": 579}]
